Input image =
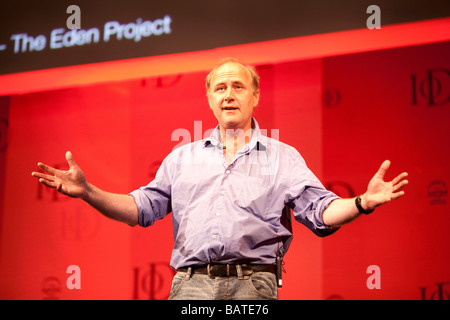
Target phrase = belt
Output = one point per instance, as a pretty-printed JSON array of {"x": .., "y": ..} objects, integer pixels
[{"x": 229, "y": 270}]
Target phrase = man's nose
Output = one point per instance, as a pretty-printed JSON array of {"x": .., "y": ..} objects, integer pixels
[{"x": 229, "y": 96}]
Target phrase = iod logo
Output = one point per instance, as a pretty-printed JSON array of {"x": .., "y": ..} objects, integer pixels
[{"x": 432, "y": 88}]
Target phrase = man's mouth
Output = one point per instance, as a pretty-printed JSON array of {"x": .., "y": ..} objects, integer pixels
[{"x": 229, "y": 108}]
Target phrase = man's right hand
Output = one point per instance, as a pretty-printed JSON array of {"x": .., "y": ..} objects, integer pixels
[{"x": 71, "y": 183}]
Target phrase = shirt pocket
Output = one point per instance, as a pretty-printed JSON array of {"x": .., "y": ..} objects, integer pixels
[{"x": 254, "y": 195}]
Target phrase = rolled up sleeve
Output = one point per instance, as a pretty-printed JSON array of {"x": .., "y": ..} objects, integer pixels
[
  {"x": 308, "y": 198},
  {"x": 154, "y": 200},
  {"x": 308, "y": 209}
]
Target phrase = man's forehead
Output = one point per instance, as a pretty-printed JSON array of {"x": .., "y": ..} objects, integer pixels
[{"x": 231, "y": 70}]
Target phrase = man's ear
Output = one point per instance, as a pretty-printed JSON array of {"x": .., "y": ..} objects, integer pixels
[
  {"x": 209, "y": 100},
  {"x": 256, "y": 95}
]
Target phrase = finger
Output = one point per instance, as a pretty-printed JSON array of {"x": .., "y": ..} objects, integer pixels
[
  {"x": 397, "y": 195},
  {"x": 47, "y": 183},
  {"x": 46, "y": 168},
  {"x": 43, "y": 176},
  {"x": 399, "y": 178},
  {"x": 383, "y": 168},
  {"x": 400, "y": 186},
  {"x": 70, "y": 160}
]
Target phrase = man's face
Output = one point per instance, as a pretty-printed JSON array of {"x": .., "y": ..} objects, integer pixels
[{"x": 232, "y": 96}]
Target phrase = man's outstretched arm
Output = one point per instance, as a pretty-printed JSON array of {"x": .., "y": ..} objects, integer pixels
[
  {"x": 379, "y": 192},
  {"x": 73, "y": 183}
]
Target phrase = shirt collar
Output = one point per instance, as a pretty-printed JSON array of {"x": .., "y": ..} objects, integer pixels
[{"x": 257, "y": 140}]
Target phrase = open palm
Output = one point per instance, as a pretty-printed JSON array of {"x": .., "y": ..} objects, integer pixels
[
  {"x": 71, "y": 182},
  {"x": 380, "y": 192}
]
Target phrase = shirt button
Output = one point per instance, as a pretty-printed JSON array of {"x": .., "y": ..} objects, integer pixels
[
  {"x": 213, "y": 236},
  {"x": 222, "y": 192},
  {"x": 218, "y": 213},
  {"x": 227, "y": 172}
]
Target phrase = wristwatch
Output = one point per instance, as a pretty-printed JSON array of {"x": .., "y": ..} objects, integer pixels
[{"x": 360, "y": 208}]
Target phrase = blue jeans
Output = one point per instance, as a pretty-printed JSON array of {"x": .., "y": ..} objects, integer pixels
[{"x": 257, "y": 286}]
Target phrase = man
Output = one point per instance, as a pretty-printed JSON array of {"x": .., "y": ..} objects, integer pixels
[{"x": 228, "y": 194}]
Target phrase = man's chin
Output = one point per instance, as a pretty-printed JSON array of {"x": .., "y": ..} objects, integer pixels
[{"x": 233, "y": 124}]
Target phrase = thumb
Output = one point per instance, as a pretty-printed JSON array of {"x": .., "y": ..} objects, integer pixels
[
  {"x": 70, "y": 160},
  {"x": 383, "y": 168}
]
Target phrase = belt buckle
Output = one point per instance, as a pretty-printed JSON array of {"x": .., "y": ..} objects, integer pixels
[
  {"x": 218, "y": 270},
  {"x": 246, "y": 270},
  {"x": 208, "y": 269}
]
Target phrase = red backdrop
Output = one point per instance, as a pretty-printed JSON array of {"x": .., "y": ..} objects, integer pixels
[{"x": 344, "y": 114}]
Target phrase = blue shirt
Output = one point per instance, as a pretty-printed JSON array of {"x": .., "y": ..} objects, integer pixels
[{"x": 233, "y": 213}]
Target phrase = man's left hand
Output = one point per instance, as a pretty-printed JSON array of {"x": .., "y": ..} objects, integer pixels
[{"x": 380, "y": 192}]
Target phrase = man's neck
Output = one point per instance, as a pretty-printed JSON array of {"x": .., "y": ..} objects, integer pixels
[{"x": 234, "y": 140}]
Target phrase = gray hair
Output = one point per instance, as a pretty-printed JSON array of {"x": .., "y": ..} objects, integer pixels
[{"x": 251, "y": 69}]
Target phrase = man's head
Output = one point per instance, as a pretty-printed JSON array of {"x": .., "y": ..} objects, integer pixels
[{"x": 233, "y": 92}]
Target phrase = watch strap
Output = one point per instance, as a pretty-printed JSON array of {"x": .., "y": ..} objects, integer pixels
[{"x": 360, "y": 208}]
